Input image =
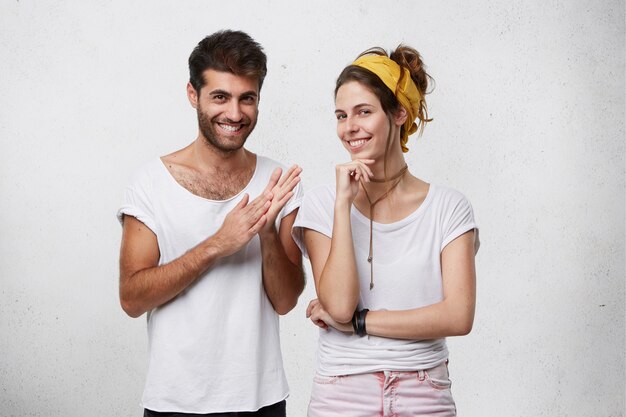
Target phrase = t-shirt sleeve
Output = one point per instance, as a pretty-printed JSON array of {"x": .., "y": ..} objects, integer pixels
[
  {"x": 459, "y": 218},
  {"x": 137, "y": 203},
  {"x": 316, "y": 213}
]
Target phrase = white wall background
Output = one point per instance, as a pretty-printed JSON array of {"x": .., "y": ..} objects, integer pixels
[{"x": 529, "y": 124}]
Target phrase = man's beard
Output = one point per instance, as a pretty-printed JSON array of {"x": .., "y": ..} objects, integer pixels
[{"x": 213, "y": 138}]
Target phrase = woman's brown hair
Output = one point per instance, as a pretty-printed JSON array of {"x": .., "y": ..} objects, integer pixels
[{"x": 405, "y": 57}]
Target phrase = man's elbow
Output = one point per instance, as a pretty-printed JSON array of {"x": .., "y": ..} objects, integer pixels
[
  {"x": 130, "y": 307},
  {"x": 285, "y": 306},
  {"x": 288, "y": 303}
]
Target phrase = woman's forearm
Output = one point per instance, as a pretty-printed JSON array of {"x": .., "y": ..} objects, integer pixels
[{"x": 338, "y": 286}]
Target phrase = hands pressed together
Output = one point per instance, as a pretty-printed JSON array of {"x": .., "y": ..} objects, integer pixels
[{"x": 258, "y": 216}]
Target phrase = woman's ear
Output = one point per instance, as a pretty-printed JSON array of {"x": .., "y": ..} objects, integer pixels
[{"x": 400, "y": 116}]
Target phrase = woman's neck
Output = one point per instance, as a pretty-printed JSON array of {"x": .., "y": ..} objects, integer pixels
[{"x": 384, "y": 170}]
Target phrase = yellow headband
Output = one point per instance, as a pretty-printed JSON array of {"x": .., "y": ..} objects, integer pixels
[{"x": 407, "y": 94}]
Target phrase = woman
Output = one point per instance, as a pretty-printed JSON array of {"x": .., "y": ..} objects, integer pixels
[{"x": 392, "y": 256}]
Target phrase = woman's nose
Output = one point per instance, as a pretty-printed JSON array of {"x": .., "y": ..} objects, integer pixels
[{"x": 351, "y": 125}]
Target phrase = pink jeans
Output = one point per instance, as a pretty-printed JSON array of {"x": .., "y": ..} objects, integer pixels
[{"x": 388, "y": 394}]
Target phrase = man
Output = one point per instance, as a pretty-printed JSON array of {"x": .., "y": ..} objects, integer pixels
[{"x": 207, "y": 250}]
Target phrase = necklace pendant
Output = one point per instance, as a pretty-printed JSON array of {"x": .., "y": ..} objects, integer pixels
[
  {"x": 371, "y": 286},
  {"x": 369, "y": 259}
]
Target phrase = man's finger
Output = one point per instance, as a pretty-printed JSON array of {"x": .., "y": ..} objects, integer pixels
[
  {"x": 258, "y": 225},
  {"x": 283, "y": 201},
  {"x": 260, "y": 211},
  {"x": 259, "y": 201},
  {"x": 287, "y": 187},
  {"x": 294, "y": 171},
  {"x": 243, "y": 202},
  {"x": 274, "y": 179}
]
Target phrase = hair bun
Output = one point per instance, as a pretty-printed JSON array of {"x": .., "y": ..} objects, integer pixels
[{"x": 409, "y": 58}]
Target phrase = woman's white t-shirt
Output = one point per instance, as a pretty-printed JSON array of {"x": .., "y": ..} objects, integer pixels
[{"x": 407, "y": 273}]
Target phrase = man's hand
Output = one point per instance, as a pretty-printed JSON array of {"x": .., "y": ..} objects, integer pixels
[
  {"x": 242, "y": 223},
  {"x": 281, "y": 189}
]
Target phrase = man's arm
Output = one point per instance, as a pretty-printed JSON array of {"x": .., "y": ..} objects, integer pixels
[
  {"x": 144, "y": 285},
  {"x": 283, "y": 277}
]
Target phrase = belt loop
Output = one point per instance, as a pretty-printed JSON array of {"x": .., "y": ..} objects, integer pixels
[{"x": 421, "y": 375}]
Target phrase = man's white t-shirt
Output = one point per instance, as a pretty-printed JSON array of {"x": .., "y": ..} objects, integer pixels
[
  {"x": 407, "y": 275},
  {"x": 215, "y": 347}
]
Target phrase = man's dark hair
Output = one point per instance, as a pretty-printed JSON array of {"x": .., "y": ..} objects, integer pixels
[{"x": 229, "y": 51}]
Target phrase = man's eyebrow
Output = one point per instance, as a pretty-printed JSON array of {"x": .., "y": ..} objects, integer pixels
[
  {"x": 250, "y": 93},
  {"x": 245, "y": 94},
  {"x": 220, "y": 93}
]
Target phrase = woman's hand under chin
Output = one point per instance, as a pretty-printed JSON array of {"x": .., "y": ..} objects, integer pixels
[
  {"x": 320, "y": 317},
  {"x": 348, "y": 176}
]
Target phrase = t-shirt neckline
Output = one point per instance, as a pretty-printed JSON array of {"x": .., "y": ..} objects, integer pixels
[
  {"x": 186, "y": 191},
  {"x": 400, "y": 223}
]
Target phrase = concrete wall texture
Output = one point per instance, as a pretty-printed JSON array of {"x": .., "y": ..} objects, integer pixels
[{"x": 528, "y": 123}]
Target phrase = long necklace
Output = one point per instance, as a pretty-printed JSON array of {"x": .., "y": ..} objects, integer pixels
[{"x": 397, "y": 178}]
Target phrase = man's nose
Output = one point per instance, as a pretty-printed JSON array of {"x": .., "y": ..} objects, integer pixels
[{"x": 233, "y": 112}]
